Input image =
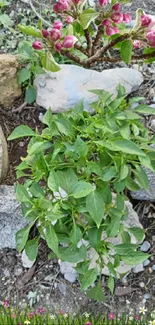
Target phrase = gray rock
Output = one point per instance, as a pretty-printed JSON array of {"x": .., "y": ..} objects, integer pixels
[
  {"x": 67, "y": 269},
  {"x": 142, "y": 284},
  {"x": 147, "y": 262},
  {"x": 63, "y": 288},
  {"x": 153, "y": 267},
  {"x": 71, "y": 277},
  {"x": 4, "y": 160},
  {"x": 26, "y": 262},
  {"x": 145, "y": 246},
  {"x": 138, "y": 268},
  {"x": 11, "y": 219},
  {"x": 147, "y": 296},
  {"x": 71, "y": 84}
]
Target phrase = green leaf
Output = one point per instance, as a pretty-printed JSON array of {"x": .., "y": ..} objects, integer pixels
[
  {"x": 31, "y": 249},
  {"x": 38, "y": 147},
  {"x": 111, "y": 283},
  {"x": 108, "y": 173},
  {"x": 125, "y": 237},
  {"x": 96, "y": 293},
  {"x": 67, "y": 180},
  {"x": 75, "y": 235},
  {"x": 94, "y": 237},
  {"x": 81, "y": 147},
  {"x": 22, "y": 237},
  {"x": 30, "y": 94},
  {"x": 49, "y": 63},
  {"x": 73, "y": 254},
  {"x": 126, "y": 50},
  {"x": 51, "y": 238},
  {"x": 145, "y": 109},
  {"x": 125, "y": 249},
  {"x": 64, "y": 126},
  {"x": 82, "y": 189},
  {"x": 20, "y": 132},
  {"x": 124, "y": 172},
  {"x": 127, "y": 146},
  {"x": 30, "y": 30},
  {"x": 87, "y": 16},
  {"x": 89, "y": 278},
  {"x": 113, "y": 227},
  {"x": 135, "y": 258},
  {"x": 95, "y": 207},
  {"x": 36, "y": 190},
  {"x": 141, "y": 177},
  {"x": 5, "y": 20},
  {"x": 21, "y": 193},
  {"x": 23, "y": 75},
  {"x": 137, "y": 232},
  {"x": 131, "y": 185},
  {"x": 53, "y": 181}
]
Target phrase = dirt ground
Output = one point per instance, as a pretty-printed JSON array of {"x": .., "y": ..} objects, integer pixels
[{"x": 48, "y": 286}]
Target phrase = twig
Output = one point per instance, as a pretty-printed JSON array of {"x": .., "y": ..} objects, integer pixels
[
  {"x": 19, "y": 109},
  {"x": 98, "y": 37},
  {"x": 89, "y": 42},
  {"x": 38, "y": 15},
  {"x": 81, "y": 49}
]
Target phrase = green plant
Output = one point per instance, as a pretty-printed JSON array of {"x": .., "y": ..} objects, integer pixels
[
  {"x": 78, "y": 171},
  {"x": 88, "y": 36}
]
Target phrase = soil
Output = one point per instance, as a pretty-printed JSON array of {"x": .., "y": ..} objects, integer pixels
[{"x": 45, "y": 280}]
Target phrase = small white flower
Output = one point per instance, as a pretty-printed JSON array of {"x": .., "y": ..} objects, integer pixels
[
  {"x": 130, "y": 317},
  {"x": 142, "y": 310},
  {"x": 27, "y": 322},
  {"x": 65, "y": 315},
  {"x": 86, "y": 315},
  {"x": 52, "y": 317},
  {"x": 152, "y": 322}
]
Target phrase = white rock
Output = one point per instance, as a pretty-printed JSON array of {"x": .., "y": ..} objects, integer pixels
[
  {"x": 138, "y": 268},
  {"x": 147, "y": 296},
  {"x": 65, "y": 88},
  {"x": 26, "y": 262},
  {"x": 71, "y": 277},
  {"x": 153, "y": 267},
  {"x": 147, "y": 262},
  {"x": 67, "y": 269},
  {"x": 145, "y": 246}
]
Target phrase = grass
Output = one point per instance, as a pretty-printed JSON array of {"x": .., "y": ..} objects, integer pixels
[{"x": 9, "y": 316}]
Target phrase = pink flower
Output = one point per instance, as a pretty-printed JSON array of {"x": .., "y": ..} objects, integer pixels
[
  {"x": 136, "y": 44},
  {"x": 137, "y": 316},
  {"x": 62, "y": 312},
  {"x": 37, "y": 45},
  {"x": 110, "y": 30},
  {"x": 13, "y": 316},
  {"x": 151, "y": 38},
  {"x": 58, "y": 46},
  {"x": 45, "y": 33},
  {"x": 76, "y": 1},
  {"x": 69, "y": 20},
  {"x": 6, "y": 303},
  {"x": 58, "y": 24},
  {"x": 55, "y": 34},
  {"x": 117, "y": 17},
  {"x": 127, "y": 18},
  {"x": 60, "y": 6},
  {"x": 41, "y": 311},
  {"x": 69, "y": 41},
  {"x": 116, "y": 7},
  {"x": 31, "y": 314},
  {"x": 111, "y": 316},
  {"x": 103, "y": 2},
  {"x": 145, "y": 20},
  {"x": 88, "y": 323},
  {"x": 106, "y": 22}
]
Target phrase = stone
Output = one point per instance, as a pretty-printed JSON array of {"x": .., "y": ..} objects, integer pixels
[
  {"x": 26, "y": 262},
  {"x": 71, "y": 84},
  {"x": 145, "y": 246},
  {"x": 142, "y": 284},
  {"x": 63, "y": 288},
  {"x": 11, "y": 219},
  {"x": 67, "y": 269},
  {"x": 147, "y": 296},
  {"x": 10, "y": 89},
  {"x": 146, "y": 263},
  {"x": 153, "y": 267},
  {"x": 153, "y": 124},
  {"x": 138, "y": 268},
  {"x": 4, "y": 160}
]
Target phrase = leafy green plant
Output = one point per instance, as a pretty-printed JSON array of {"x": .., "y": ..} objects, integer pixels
[{"x": 78, "y": 171}]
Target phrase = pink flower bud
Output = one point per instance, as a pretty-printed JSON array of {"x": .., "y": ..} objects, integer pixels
[
  {"x": 127, "y": 18},
  {"x": 69, "y": 41},
  {"x": 106, "y": 22},
  {"x": 110, "y": 30},
  {"x": 136, "y": 44},
  {"x": 45, "y": 33},
  {"x": 145, "y": 20},
  {"x": 116, "y": 7},
  {"x": 117, "y": 17},
  {"x": 76, "y": 1},
  {"x": 55, "y": 34},
  {"x": 69, "y": 20},
  {"x": 151, "y": 38},
  {"x": 37, "y": 45},
  {"x": 60, "y": 6},
  {"x": 103, "y": 2},
  {"x": 58, "y": 46},
  {"x": 58, "y": 24}
]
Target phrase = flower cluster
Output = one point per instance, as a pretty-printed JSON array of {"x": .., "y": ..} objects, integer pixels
[{"x": 148, "y": 27}]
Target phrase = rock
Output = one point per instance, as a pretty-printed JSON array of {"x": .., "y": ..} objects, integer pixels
[
  {"x": 11, "y": 219},
  {"x": 75, "y": 83},
  {"x": 10, "y": 90},
  {"x": 63, "y": 288},
  {"x": 71, "y": 277},
  {"x": 145, "y": 246},
  {"x": 138, "y": 268},
  {"x": 147, "y": 296},
  {"x": 142, "y": 284},
  {"x": 4, "y": 160},
  {"x": 26, "y": 262},
  {"x": 68, "y": 270},
  {"x": 153, "y": 267},
  {"x": 147, "y": 262},
  {"x": 153, "y": 124}
]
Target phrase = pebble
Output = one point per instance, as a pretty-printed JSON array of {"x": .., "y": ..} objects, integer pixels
[
  {"x": 145, "y": 246},
  {"x": 63, "y": 288},
  {"x": 71, "y": 277},
  {"x": 138, "y": 268},
  {"x": 147, "y": 296},
  {"x": 147, "y": 262},
  {"x": 153, "y": 238},
  {"x": 142, "y": 284},
  {"x": 42, "y": 83},
  {"x": 26, "y": 262},
  {"x": 153, "y": 267},
  {"x": 153, "y": 124}
]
